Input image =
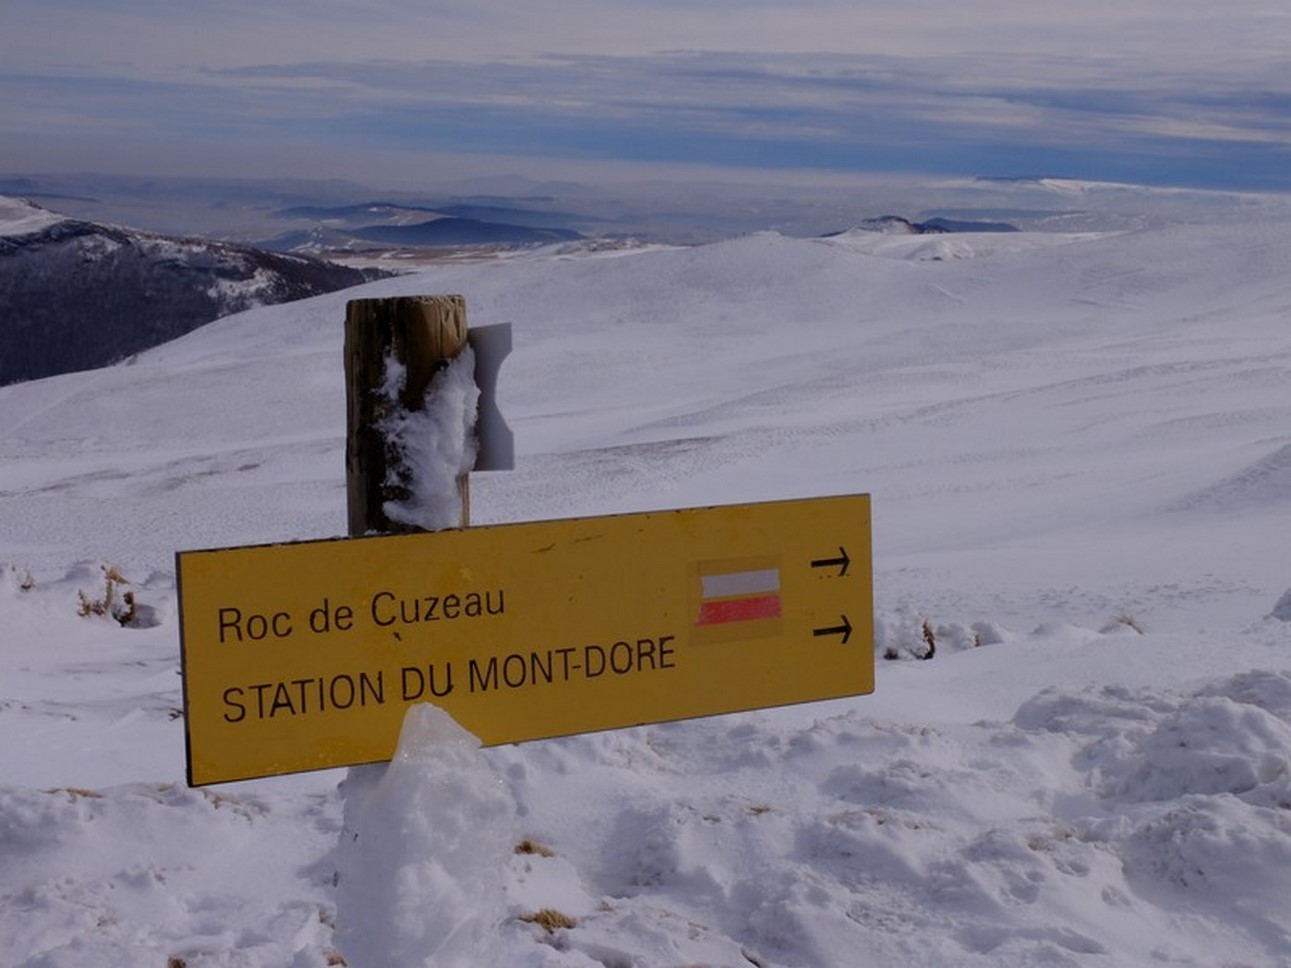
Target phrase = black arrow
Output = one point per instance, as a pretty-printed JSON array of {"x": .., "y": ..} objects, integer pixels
[
  {"x": 845, "y": 630},
  {"x": 840, "y": 562}
]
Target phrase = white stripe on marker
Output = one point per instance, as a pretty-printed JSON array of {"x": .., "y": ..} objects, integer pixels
[{"x": 741, "y": 583}]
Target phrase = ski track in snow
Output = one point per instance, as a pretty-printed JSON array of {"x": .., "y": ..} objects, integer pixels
[{"x": 1078, "y": 452}]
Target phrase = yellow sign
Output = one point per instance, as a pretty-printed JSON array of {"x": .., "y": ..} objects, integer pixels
[{"x": 305, "y": 656}]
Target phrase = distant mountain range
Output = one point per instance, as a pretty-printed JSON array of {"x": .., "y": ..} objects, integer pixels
[
  {"x": 387, "y": 224},
  {"x": 896, "y": 225},
  {"x": 76, "y": 294}
]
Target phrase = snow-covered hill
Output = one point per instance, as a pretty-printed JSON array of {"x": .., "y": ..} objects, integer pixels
[
  {"x": 1078, "y": 451},
  {"x": 77, "y": 294},
  {"x": 372, "y": 225}
]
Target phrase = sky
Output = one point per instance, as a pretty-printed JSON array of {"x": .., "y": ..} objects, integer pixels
[{"x": 1163, "y": 92}]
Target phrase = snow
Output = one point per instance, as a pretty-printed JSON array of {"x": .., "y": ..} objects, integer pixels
[
  {"x": 1077, "y": 451},
  {"x": 436, "y": 444},
  {"x": 258, "y": 284},
  {"x": 19, "y": 217}
]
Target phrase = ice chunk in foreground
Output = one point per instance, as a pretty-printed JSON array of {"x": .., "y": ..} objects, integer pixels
[{"x": 424, "y": 847}]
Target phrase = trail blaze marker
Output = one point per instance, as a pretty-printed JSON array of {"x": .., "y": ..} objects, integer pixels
[{"x": 305, "y": 656}]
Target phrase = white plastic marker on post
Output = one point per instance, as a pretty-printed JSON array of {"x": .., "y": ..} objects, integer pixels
[
  {"x": 426, "y": 837},
  {"x": 496, "y": 450}
]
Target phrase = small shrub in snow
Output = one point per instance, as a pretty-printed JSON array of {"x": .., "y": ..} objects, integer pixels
[
  {"x": 550, "y": 920},
  {"x": 1122, "y": 621},
  {"x": 907, "y": 633},
  {"x": 16, "y": 578},
  {"x": 929, "y": 639},
  {"x": 113, "y": 602},
  {"x": 987, "y": 633},
  {"x": 529, "y": 846},
  {"x": 903, "y": 634},
  {"x": 77, "y": 793},
  {"x": 116, "y": 603}
]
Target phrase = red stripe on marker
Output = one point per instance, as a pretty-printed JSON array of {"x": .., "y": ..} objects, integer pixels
[{"x": 738, "y": 609}]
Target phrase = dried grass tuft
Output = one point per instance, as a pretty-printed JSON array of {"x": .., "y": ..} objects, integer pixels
[
  {"x": 530, "y": 846},
  {"x": 550, "y": 920}
]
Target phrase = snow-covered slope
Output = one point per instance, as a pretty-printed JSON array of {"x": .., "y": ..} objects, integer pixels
[{"x": 1077, "y": 448}]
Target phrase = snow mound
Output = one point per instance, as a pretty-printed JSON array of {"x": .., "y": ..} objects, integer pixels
[
  {"x": 1118, "y": 807},
  {"x": 423, "y": 850},
  {"x": 1265, "y": 481},
  {"x": 146, "y": 873}
]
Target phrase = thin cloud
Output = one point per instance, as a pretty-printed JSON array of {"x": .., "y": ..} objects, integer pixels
[
  {"x": 803, "y": 93},
  {"x": 950, "y": 90}
]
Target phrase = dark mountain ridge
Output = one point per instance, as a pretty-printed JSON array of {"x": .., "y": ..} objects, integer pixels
[
  {"x": 76, "y": 294},
  {"x": 462, "y": 231},
  {"x": 386, "y": 224},
  {"x": 898, "y": 225}
]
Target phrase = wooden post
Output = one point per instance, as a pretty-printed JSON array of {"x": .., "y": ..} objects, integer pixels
[{"x": 420, "y": 332}]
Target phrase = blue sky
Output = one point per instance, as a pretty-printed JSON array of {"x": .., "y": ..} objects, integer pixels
[{"x": 1173, "y": 92}]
